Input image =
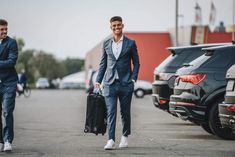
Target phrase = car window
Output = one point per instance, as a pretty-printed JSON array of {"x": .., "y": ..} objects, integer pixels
[
  {"x": 177, "y": 60},
  {"x": 166, "y": 61},
  {"x": 199, "y": 61},
  {"x": 192, "y": 54},
  {"x": 221, "y": 59}
]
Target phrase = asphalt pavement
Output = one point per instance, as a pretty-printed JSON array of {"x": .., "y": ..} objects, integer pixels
[{"x": 50, "y": 123}]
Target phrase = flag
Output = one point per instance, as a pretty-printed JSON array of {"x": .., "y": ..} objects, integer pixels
[
  {"x": 198, "y": 14},
  {"x": 212, "y": 14}
]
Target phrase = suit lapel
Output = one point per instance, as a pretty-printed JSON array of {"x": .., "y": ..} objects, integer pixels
[
  {"x": 110, "y": 48},
  {"x": 2, "y": 46},
  {"x": 124, "y": 46}
]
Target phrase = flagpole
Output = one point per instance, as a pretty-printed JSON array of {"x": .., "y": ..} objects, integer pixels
[{"x": 233, "y": 22}]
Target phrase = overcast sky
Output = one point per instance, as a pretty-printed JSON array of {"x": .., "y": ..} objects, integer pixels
[{"x": 70, "y": 28}]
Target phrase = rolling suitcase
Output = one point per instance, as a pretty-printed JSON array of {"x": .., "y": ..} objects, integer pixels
[{"x": 96, "y": 120}]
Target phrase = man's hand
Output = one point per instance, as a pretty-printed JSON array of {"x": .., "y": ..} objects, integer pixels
[{"x": 97, "y": 85}]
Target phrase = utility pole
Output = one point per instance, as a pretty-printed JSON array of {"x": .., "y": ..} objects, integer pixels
[
  {"x": 176, "y": 22},
  {"x": 233, "y": 38}
]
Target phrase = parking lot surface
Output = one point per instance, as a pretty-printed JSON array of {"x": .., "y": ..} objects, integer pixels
[{"x": 50, "y": 123}]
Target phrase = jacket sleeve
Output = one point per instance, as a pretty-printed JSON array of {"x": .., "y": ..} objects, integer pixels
[
  {"x": 10, "y": 62},
  {"x": 102, "y": 66},
  {"x": 135, "y": 62}
]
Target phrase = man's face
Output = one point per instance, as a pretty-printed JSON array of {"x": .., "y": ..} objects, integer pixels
[
  {"x": 116, "y": 27},
  {"x": 3, "y": 31}
]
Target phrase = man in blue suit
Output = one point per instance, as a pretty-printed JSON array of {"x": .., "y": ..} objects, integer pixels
[
  {"x": 118, "y": 78},
  {"x": 8, "y": 83}
]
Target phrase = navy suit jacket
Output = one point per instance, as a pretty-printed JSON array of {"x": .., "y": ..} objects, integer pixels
[
  {"x": 8, "y": 58},
  {"x": 109, "y": 64}
]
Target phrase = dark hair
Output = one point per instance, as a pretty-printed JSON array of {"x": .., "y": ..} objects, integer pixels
[
  {"x": 3, "y": 22},
  {"x": 116, "y": 18}
]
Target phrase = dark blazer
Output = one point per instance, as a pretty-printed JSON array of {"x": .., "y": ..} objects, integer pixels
[
  {"x": 109, "y": 64},
  {"x": 8, "y": 58}
]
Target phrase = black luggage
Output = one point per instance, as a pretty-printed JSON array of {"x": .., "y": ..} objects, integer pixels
[{"x": 96, "y": 120}]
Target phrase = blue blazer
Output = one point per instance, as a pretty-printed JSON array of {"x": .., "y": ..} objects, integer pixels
[
  {"x": 109, "y": 64},
  {"x": 8, "y": 58}
]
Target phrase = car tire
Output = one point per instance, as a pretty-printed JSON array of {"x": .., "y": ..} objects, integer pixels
[
  {"x": 139, "y": 93},
  {"x": 206, "y": 127},
  {"x": 215, "y": 125}
]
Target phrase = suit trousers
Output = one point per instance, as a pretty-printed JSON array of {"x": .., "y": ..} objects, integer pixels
[
  {"x": 112, "y": 93},
  {"x": 7, "y": 99}
]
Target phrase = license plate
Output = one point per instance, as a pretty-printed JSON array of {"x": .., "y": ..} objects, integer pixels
[{"x": 230, "y": 86}]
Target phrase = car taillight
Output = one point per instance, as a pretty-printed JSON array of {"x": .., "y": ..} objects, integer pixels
[
  {"x": 164, "y": 76},
  {"x": 161, "y": 101},
  {"x": 192, "y": 78},
  {"x": 231, "y": 108}
]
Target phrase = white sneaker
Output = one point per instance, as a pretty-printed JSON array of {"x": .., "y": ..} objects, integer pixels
[
  {"x": 123, "y": 142},
  {"x": 1, "y": 147},
  {"x": 7, "y": 146},
  {"x": 109, "y": 145}
]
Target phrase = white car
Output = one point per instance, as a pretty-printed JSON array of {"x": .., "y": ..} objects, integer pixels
[
  {"x": 142, "y": 88},
  {"x": 42, "y": 83}
]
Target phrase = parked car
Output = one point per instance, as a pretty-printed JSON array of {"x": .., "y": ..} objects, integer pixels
[
  {"x": 164, "y": 74},
  {"x": 73, "y": 81},
  {"x": 200, "y": 87},
  {"x": 227, "y": 108},
  {"x": 42, "y": 83},
  {"x": 141, "y": 87}
]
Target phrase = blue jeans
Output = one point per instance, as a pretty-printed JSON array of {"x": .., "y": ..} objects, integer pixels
[
  {"x": 7, "y": 99},
  {"x": 124, "y": 93}
]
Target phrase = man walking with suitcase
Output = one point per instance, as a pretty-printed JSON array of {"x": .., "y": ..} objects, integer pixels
[{"x": 118, "y": 78}]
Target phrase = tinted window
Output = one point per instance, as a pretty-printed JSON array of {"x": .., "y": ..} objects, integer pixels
[
  {"x": 167, "y": 61},
  {"x": 221, "y": 59},
  {"x": 192, "y": 55},
  {"x": 198, "y": 61},
  {"x": 185, "y": 57}
]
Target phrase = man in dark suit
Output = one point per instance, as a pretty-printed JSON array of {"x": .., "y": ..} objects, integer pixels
[
  {"x": 118, "y": 78},
  {"x": 8, "y": 83}
]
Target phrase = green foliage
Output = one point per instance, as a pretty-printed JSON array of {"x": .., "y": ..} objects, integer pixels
[
  {"x": 42, "y": 64},
  {"x": 73, "y": 65},
  {"x": 25, "y": 61},
  {"x": 20, "y": 43}
]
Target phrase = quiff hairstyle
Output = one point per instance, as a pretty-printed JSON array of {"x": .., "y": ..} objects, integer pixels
[
  {"x": 3, "y": 22},
  {"x": 116, "y": 18}
]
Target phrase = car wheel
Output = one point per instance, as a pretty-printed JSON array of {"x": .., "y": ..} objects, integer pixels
[
  {"x": 215, "y": 125},
  {"x": 139, "y": 93},
  {"x": 206, "y": 127}
]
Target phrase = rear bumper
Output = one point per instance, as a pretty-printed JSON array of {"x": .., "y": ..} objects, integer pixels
[
  {"x": 156, "y": 102},
  {"x": 227, "y": 118},
  {"x": 161, "y": 91},
  {"x": 187, "y": 108}
]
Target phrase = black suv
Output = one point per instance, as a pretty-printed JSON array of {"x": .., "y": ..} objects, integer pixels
[
  {"x": 200, "y": 87},
  {"x": 164, "y": 74},
  {"x": 227, "y": 108}
]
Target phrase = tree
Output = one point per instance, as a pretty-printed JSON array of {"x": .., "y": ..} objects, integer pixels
[
  {"x": 73, "y": 65},
  {"x": 26, "y": 62},
  {"x": 20, "y": 43},
  {"x": 48, "y": 66},
  {"x": 42, "y": 64}
]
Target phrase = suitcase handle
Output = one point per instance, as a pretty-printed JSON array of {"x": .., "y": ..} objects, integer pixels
[{"x": 97, "y": 91}]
